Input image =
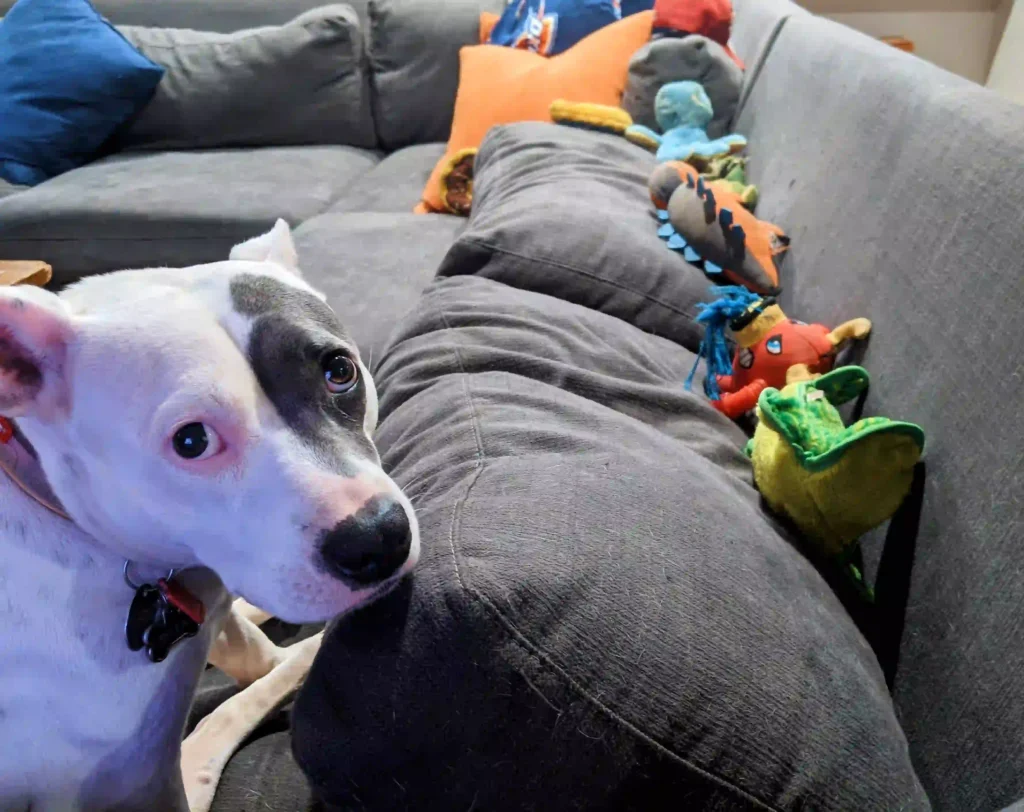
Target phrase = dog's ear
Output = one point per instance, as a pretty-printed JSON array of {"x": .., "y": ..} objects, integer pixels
[
  {"x": 275, "y": 246},
  {"x": 35, "y": 331}
]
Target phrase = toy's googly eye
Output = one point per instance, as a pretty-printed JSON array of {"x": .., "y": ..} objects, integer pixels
[{"x": 774, "y": 345}]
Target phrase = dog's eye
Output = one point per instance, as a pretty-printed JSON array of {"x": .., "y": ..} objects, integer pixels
[
  {"x": 195, "y": 441},
  {"x": 340, "y": 372}
]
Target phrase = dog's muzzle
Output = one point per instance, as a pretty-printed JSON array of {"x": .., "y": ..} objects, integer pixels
[{"x": 369, "y": 546}]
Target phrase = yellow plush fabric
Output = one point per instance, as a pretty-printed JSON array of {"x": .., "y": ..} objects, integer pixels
[
  {"x": 601, "y": 117},
  {"x": 834, "y": 482}
]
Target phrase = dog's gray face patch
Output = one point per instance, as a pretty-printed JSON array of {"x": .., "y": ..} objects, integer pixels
[{"x": 292, "y": 332}]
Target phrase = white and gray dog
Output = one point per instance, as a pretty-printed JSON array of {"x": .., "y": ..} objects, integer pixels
[{"x": 176, "y": 437}]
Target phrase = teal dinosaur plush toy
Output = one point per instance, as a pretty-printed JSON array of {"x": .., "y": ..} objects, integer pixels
[{"x": 683, "y": 111}]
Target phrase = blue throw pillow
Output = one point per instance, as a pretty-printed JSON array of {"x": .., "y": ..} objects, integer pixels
[
  {"x": 549, "y": 27},
  {"x": 68, "y": 79}
]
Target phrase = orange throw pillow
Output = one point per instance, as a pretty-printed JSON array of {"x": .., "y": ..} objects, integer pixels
[
  {"x": 487, "y": 22},
  {"x": 499, "y": 85}
]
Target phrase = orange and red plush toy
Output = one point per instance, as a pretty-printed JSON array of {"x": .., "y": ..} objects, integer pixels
[
  {"x": 768, "y": 344},
  {"x": 707, "y": 222}
]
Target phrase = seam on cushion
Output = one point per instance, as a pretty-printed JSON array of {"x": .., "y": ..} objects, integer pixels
[
  {"x": 755, "y": 73},
  {"x": 588, "y": 274},
  {"x": 520, "y": 639}
]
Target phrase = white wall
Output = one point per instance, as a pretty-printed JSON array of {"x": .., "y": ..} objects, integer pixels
[
  {"x": 1007, "y": 75},
  {"x": 959, "y": 41}
]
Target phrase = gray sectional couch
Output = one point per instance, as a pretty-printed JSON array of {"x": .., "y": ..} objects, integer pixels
[{"x": 605, "y": 615}]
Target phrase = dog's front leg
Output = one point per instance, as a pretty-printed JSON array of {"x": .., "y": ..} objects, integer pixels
[
  {"x": 241, "y": 649},
  {"x": 205, "y": 753}
]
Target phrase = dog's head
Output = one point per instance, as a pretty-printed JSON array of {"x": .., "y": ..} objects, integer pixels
[{"x": 217, "y": 416}]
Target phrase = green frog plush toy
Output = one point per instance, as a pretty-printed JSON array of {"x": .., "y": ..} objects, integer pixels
[{"x": 835, "y": 482}]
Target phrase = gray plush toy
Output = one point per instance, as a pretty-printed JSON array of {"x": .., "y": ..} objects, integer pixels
[{"x": 672, "y": 59}]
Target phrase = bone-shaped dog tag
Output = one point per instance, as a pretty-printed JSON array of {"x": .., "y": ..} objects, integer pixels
[
  {"x": 141, "y": 615},
  {"x": 156, "y": 621}
]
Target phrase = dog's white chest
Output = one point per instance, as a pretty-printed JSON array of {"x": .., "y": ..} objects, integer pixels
[{"x": 82, "y": 718}]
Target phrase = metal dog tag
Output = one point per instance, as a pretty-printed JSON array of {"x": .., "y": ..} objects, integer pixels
[{"x": 156, "y": 622}]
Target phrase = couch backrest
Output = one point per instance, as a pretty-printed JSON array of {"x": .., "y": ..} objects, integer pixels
[
  {"x": 902, "y": 187},
  {"x": 414, "y": 55},
  {"x": 413, "y": 48},
  {"x": 204, "y": 15},
  {"x": 755, "y": 25}
]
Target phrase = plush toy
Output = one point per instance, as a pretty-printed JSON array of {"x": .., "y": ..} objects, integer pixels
[
  {"x": 673, "y": 59},
  {"x": 708, "y": 223},
  {"x": 683, "y": 111},
  {"x": 599, "y": 117},
  {"x": 834, "y": 482},
  {"x": 768, "y": 345},
  {"x": 456, "y": 182},
  {"x": 730, "y": 172}
]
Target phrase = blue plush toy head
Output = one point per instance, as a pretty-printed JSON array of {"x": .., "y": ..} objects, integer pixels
[{"x": 682, "y": 104}]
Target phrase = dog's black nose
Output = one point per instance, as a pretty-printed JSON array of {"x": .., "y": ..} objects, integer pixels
[{"x": 369, "y": 546}]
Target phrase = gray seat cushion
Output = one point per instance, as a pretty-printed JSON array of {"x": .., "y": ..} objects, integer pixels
[
  {"x": 305, "y": 82},
  {"x": 171, "y": 208},
  {"x": 373, "y": 266},
  {"x": 566, "y": 212},
  {"x": 900, "y": 186},
  {"x": 603, "y": 618},
  {"x": 395, "y": 184}
]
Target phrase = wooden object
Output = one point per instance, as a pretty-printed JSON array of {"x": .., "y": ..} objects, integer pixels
[{"x": 25, "y": 272}]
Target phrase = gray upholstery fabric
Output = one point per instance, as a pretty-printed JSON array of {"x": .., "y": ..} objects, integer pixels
[
  {"x": 395, "y": 184},
  {"x": 301, "y": 83},
  {"x": 755, "y": 24},
  {"x": 7, "y": 189},
  {"x": 900, "y": 187},
  {"x": 373, "y": 266},
  {"x": 672, "y": 59},
  {"x": 565, "y": 211},
  {"x": 414, "y": 53},
  {"x": 603, "y": 617},
  {"x": 170, "y": 208},
  {"x": 204, "y": 15}
]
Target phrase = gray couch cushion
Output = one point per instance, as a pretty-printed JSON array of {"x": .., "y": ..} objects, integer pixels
[
  {"x": 7, "y": 189},
  {"x": 204, "y": 15},
  {"x": 603, "y": 618},
  {"x": 672, "y": 59},
  {"x": 566, "y": 212},
  {"x": 414, "y": 52},
  {"x": 755, "y": 25},
  {"x": 373, "y": 266},
  {"x": 305, "y": 82},
  {"x": 170, "y": 208},
  {"x": 901, "y": 187},
  {"x": 395, "y": 184}
]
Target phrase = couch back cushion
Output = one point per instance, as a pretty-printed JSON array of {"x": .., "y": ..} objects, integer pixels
[
  {"x": 901, "y": 187},
  {"x": 304, "y": 82},
  {"x": 414, "y": 56},
  {"x": 203, "y": 15},
  {"x": 603, "y": 618}
]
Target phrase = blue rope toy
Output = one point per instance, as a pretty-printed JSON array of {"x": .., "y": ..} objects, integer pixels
[{"x": 733, "y": 301}]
